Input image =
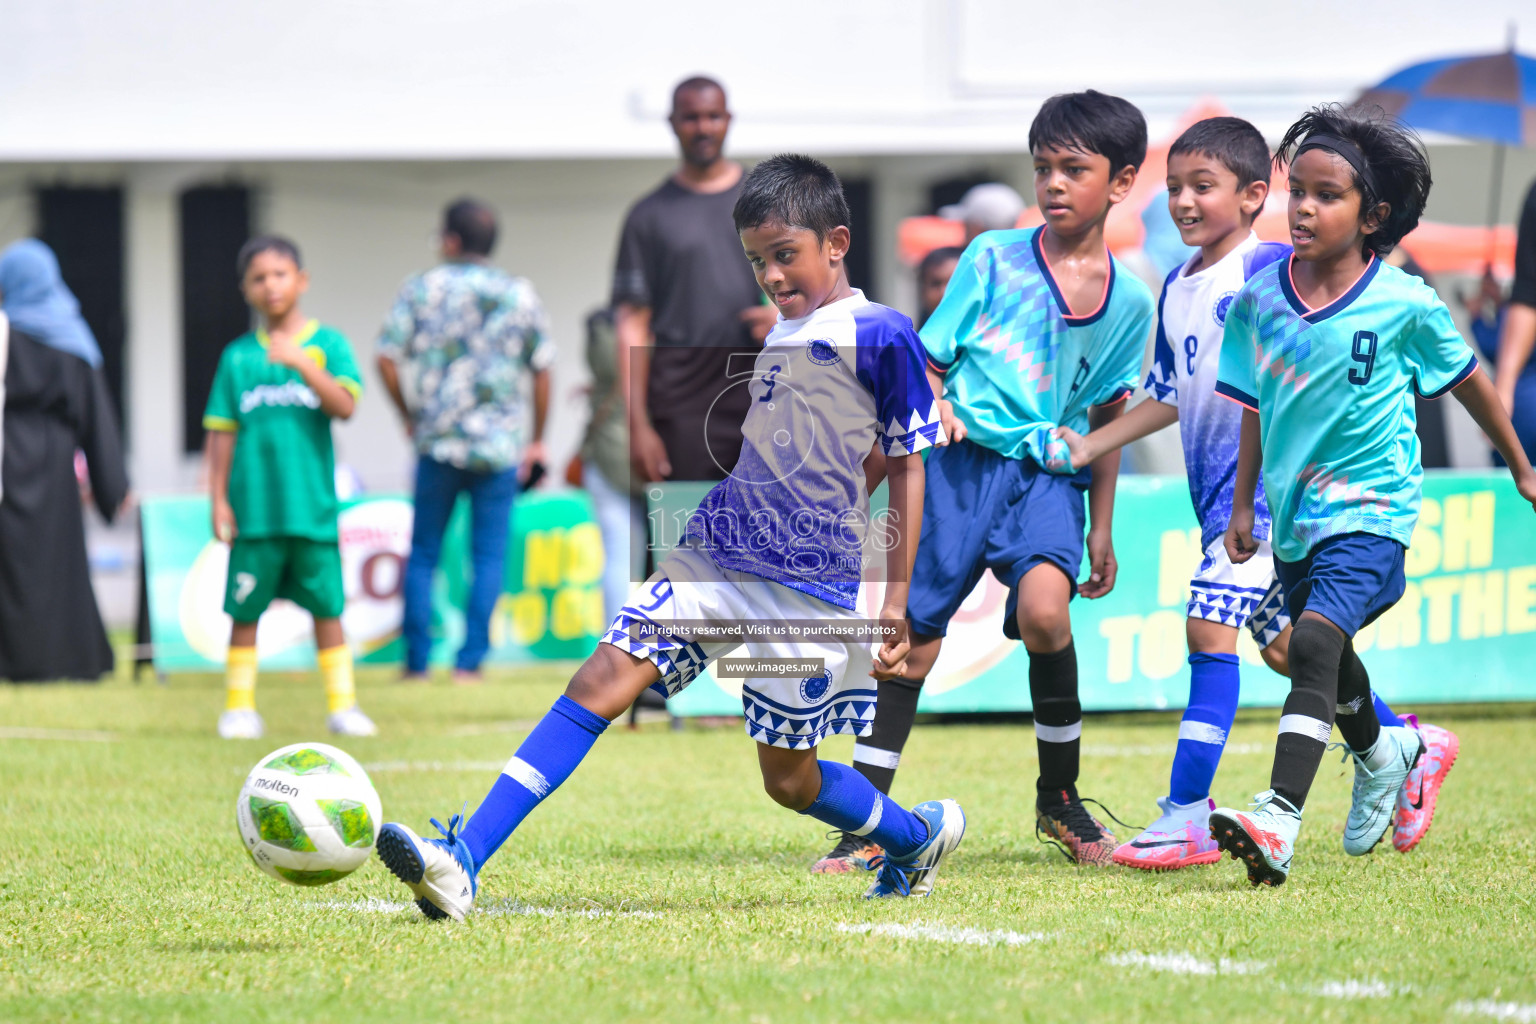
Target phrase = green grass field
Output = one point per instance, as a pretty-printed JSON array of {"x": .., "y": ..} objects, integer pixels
[{"x": 661, "y": 884}]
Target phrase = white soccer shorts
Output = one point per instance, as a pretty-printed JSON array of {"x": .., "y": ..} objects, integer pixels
[
  {"x": 781, "y": 712},
  {"x": 1240, "y": 595}
]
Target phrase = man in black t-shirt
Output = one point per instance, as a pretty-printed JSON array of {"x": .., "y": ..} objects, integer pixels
[
  {"x": 682, "y": 285},
  {"x": 1515, "y": 378}
]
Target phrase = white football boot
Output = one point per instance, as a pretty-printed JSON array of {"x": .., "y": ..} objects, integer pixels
[
  {"x": 352, "y": 722},
  {"x": 243, "y": 724},
  {"x": 439, "y": 872}
]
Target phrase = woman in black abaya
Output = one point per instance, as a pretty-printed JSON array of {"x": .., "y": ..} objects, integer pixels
[{"x": 54, "y": 401}]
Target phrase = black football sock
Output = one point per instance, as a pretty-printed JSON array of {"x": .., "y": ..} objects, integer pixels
[
  {"x": 1306, "y": 721},
  {"x": 1058, "y": 720},
  {"x": 1356, "y": 719},
  {"x": 876, "y": 758}
]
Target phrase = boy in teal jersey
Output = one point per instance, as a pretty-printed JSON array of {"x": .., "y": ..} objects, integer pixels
[
  {"x": 271, "y": 473},
  {"x": 1323, "y": 350},
  {"x": 1037, "y": 328}
]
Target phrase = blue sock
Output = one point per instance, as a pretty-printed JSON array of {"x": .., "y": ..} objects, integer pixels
[
  {"x": 1384, "y": 714},
  {"x": 851, "y": 802},
  {"x": 546, "y": 759},
  {"x": 1213, "y": 686}
]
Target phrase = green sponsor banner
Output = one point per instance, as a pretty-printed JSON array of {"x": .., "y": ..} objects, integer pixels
[
  {"x": 551, "y": 605},
  {"x": 1465, "y": 629}
]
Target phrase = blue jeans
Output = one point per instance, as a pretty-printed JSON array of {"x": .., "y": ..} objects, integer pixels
[
  {"x": 621, "y": 520},
  {"x": 490, "y": 502}
]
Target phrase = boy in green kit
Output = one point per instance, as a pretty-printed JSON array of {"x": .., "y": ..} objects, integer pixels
[{"x": 271, "y": 474}]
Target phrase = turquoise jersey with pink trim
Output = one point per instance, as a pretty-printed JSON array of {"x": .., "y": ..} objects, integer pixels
[
  {"x": 1333, "y": 388},
  {"x": 1016, "y": 361}
]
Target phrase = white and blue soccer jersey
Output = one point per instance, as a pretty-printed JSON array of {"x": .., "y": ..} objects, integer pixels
[
  {"x": 1332, "y": 390},
  {"x": 824, "y": 388},
  {"x": 1191, "y": 315},
  {"x": 1016, "y": 362}
]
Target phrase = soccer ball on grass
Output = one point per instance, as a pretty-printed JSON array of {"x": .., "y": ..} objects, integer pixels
[{"x": 308, "y": 814}]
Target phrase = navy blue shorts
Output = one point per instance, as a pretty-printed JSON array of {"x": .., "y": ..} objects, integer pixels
[
  {"x": 981, "y": 511},
  {"x": 1348, "y": 580}
]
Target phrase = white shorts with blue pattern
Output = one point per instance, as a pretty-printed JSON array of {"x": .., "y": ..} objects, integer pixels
[
  {"x": 1240, "y": 595},
  {"x": 781, "y": 712}
]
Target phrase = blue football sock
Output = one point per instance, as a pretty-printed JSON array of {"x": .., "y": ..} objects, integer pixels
[
  {"x": 545, "y": 760},
  {"x": 1384, "y": 714},
  {"x": 851, "y": 802},
  {"x": 1213, "y": 687}
]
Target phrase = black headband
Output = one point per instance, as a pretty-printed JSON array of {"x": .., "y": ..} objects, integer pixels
[{"x": 1346, "y": 149}]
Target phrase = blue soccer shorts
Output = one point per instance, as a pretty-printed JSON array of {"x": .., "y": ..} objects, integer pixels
[
  {"x": 1350, "y": 580},
  {"x": 981, "y": 511}
]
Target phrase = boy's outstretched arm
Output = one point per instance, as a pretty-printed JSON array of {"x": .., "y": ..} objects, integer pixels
[
  {"x": 218, "y": 452},
  {"x": 905, "y": 479},
  {"x": 1478, "y": 396},
  {"x": 335, "y": 400},
  {"x": 1102, "y": 566},
  {"x": 1143, "y": 421},
  {"x": 1245, "y": 483}
]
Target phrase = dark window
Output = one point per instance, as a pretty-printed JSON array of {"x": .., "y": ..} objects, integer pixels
[
  {"x": 215, "y": 222},
  {"x": 84, "y": 228},
  {"x": 861, "y": 260}
]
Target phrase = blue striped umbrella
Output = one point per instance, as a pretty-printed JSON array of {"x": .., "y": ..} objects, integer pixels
[{"x": 1490, "y": 97}]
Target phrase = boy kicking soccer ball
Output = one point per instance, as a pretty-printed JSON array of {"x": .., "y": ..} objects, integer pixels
[
  {"x": 1218, "y": 178},
  {"x": 780, "y": 539},
  {"x": 1321, "y": 349},
  {"x": 272, "y": 475},
  {"x": 1037, "y": 327}
]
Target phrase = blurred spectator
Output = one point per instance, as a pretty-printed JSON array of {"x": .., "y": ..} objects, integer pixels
[
  {"x": 54, "y": 402},
  {"x": 604, "y": 470},
  {"x": 933, "y": 275},
  {"x": 682, "y": 284},
  {"x": 990, "y": 207},
  {"x": 1516, "y": 374},
  {"x": 455, "y": 354}
]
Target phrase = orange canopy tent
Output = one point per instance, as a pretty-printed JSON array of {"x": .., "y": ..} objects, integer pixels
[{"x": 1439, "y": 248}]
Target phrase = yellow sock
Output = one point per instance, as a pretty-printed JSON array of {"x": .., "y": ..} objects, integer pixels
[
  {"x": 240, "y": 679},
  {"x": 336, "y": 666}
]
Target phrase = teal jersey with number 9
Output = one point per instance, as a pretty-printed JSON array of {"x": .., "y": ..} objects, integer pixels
[{"x": 1334, "y": 389}]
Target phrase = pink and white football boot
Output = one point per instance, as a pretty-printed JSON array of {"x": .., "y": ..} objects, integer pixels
[
  {"x": 1416, "y": 800},
  {"x": 1181, "y": 838}
]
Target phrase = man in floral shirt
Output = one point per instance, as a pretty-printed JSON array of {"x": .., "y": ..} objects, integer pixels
[{"x": 454, "y": 354}]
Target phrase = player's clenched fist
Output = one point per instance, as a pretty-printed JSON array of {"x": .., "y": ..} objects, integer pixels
[{"x": 1239, "y": 540}]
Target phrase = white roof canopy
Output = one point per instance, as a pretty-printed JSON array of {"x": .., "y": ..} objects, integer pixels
[{"x": 402, "y": 79}]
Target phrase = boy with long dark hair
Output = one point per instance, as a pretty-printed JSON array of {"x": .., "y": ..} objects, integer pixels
[{"x": 1324, "y": 350}]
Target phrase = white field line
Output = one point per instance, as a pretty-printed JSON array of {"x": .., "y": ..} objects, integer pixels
[
  {"x": 507, "y": 908},
  {"x": 1522, "y": 1013},
  {"x": 433, "y": 766},
  {"x": 491, "y": 728},
  {"x": 520, "y": 909},
  {"x": 940, "y": 933},
  {"x": 1163, "y": 749},
  {"x": 366, "y": 906},
  {"x": 22, "y": 732},
  {"x": 1184, "y": 963},
  {"x": 1354, "y": 989}
]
